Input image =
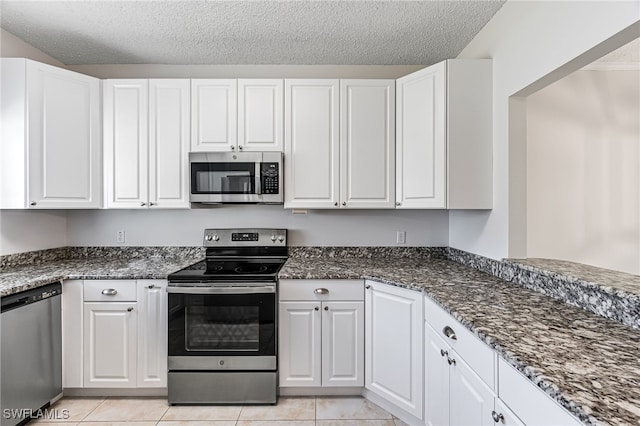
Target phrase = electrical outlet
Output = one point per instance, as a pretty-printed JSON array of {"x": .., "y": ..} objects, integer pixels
[
  {"x": 401, "y": 237},
  {"x": 120, "y": 236}
]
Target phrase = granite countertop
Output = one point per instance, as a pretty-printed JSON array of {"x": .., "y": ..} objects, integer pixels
[
  {"x": 589, "y": 364},
  {"x": 113, "y": 267}
]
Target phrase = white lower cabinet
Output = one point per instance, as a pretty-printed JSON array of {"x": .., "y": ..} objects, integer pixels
[
  {"x": 110, "y": 344},
  {"x": 321, "y": 339},
  {"x": 114, "y": 334},
  {"x": 454, "y": 394},
  {"x": 394, "y": 342}
]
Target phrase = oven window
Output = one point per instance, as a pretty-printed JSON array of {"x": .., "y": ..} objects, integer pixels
[
  {"x": 223, "y": 178},
  {"x": 223, "y": 328}
]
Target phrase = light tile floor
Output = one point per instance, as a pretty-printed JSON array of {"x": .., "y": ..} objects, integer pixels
[{"x": 290, "y": 411}]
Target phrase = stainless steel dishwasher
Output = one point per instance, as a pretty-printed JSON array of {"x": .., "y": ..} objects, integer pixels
[{"x": 31, "y": 352}]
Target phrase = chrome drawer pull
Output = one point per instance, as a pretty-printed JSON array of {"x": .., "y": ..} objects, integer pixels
[
  {"x": 109, "y": 291},
  {"x": 497, "y": 418},
  {"x": 451, "y": 361},
  {"x": 321, "y": 291},
  {"x": 448, "y": 331}
]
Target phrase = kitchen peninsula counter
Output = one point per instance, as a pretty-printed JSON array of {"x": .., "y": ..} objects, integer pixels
[{"x": 589, "y": 364}]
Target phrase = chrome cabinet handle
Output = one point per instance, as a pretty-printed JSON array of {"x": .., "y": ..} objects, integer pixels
[
  {"x": 152, "y": 204},
  {"x": 129, "y": 309},
  {"x": 233, "y": 148},
  {"x": 443, "y": 352},
  {"x": 240, "y": 147},
  {"x": 448, "y": 331},
  {"x": 367, "y": 286},
  {"x": 109, "y": 291},
  {"x": 142, "y": 204},
  {"x": 497, "y": 418},
  {"x": 316, "y": 308},
  {"x": 398, "y": 203},
  {"x": 344, "y": 203},
  {"x": 326, "y": 308},
  {"x": 321, "y": 291},
  {"x": 151, "y": 286},
  {"x": 335, "y": 204},
  {"x": 451, "y": 361},
  {"x": 33, "y": 203}
]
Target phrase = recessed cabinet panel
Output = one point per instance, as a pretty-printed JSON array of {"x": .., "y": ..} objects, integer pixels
[
  {"x": 436, "y": 379},
  {"x": 421, "y": 143},
  {"x": 299, "y": 344},
  {"x": 471, "y": 400},
  {"x": 367, "y": 154},
  {"x": 214, "y": 114},
  {"x": 394, "y": 345},
  {"x": 126, "y": 142},
  {"x": 109, "y": 344},
  {"x": 260, "y": 115},
  {"x": 152, "y": 333},
  {"x": 311, "y": 143},
  {"x": 342, "y": 343},
  {"x": 169, "y": 143}
]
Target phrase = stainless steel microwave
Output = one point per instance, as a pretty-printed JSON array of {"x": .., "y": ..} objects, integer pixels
[{"x": 236, "y": 177}]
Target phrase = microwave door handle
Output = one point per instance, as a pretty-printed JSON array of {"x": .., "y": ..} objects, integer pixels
[{"x": 258, "y": 179}]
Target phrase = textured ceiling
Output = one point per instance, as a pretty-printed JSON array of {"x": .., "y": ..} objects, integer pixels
[{"x": 248, "y": 32}]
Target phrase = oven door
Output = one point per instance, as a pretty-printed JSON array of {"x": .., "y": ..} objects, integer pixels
[{"x": 222, "y": 328}]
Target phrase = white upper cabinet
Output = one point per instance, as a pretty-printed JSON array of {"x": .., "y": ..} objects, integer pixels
[
  {"x": 311, "y": 135},
  {"x": 126, "y": 143},
  {"x": 339, "y": 143},
  {"x": 444, "y": 136},
  {"x": 214, "y": 115},
  {"x": 146, "y": 140},
  {"x": 367, "y": 143},
  {"x": 260, "y": 115},
  {"x": 169, "y": 137},
  {"x": 51, "y": 143}
]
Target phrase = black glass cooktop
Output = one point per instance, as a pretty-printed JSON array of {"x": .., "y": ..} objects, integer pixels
[{"x": 258, "y": 269}]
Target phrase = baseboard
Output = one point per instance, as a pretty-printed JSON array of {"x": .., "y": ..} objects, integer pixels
[
  {"x": 320, "y": 391},
  {"x": 123, "y": 392}
]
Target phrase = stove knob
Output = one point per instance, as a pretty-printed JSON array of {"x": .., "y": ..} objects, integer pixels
[
  {"x": 215, "y": 237},
  {"x": 208, "y": 237},
  {"x": 281, "y": 238},
  {"x": 273, "y": 238}
]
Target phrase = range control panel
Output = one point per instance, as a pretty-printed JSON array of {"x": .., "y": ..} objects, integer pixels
[
  {"x": 255, "y": 237},
  {"x": 270, "y": 178}
]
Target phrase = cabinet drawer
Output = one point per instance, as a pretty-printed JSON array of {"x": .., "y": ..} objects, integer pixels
[
  {"x": 336, "y": 290},
  {"x": 531, "y": 405},
  {"x": 97, "y": 290},
  {"x": 479, "y": 356}
]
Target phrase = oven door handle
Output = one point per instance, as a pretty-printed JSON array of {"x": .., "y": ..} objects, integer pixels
[{"x": 222, "y": 290}]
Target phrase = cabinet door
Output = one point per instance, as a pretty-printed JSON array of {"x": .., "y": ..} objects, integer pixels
[
  {"x": 299, "y": 344},
  {"x": 65, "y": 150},
  {"x": 342, "y": 343},
  {"x": 110, "y": 344},
  {"x": 126, "y": 143},
  {"x": 421, "y": 139},
  {"x": 470, "y": 399},
  {"x": 394, "y": 344},
  {"x": 169, "y": 142},
  {"x": 260, "y": 115},
  {"x": 367, "y": 143},
  {"x": 214, "y": 115},
  {"x": 152, "y": 333},
  {"x": 436, "y": 379},
  {"x": 311, "y": 144}
]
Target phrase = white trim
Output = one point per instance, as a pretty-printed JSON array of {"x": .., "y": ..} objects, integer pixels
[{"x": 612, "y": 66}]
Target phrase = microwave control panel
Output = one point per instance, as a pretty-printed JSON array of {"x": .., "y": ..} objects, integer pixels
[{"x": 270, "y": 178}]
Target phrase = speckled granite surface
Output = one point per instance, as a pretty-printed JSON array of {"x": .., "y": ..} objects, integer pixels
[
  {"x": 96, "y": 263},
  {"x": 589, "y": 364}
]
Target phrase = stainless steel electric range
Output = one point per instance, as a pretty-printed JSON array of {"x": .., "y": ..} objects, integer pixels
[{"x": 223, "y": 320}]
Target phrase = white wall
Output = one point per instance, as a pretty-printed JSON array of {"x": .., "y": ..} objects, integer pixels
[
  {"x": 583, "y": 170},
  {"x": 317, "y": 228},
  {"x": 28, "y": 230},
  {"x": 531, "y": 43}
]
